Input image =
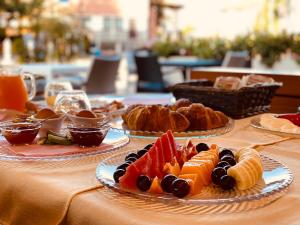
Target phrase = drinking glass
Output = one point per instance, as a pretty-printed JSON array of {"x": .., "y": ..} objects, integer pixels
[
  {"x": 52, "y": 89},
  {"x": 71, "y": 101}
]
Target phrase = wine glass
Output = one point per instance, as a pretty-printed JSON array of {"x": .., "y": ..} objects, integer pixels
[
  {"x": 71, "y": 101},
  {"x": 53, "y": 88}
]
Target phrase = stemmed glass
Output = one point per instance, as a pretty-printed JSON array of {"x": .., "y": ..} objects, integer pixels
[
  {"x": 71, "y": 101},
  {"x": 52, "y": 89}
]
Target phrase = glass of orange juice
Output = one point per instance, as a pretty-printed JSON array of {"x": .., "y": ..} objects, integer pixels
[
  {"x": 53, "y": 88},
  {"x": 13, "y": 90}
]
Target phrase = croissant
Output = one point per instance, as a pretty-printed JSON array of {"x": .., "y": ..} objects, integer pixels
[
  {"x": 183, "y": 102},
  {"x": 155, "y": 118},
  {"x": 203, "y": 118},
  {"x": 128, "y": 110}
]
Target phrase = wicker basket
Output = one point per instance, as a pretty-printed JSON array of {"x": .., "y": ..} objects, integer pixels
[{"x": 241, "y": 103}]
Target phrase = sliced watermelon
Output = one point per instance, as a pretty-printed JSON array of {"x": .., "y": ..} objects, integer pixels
[
  {"x": 168, "y": 152},
  {"x": 154, "y": 168},
  {"x": 128, "y": 180},
  {"x": 161, "y": 157},
  {"x": 151, "y": 163},
  {"x": 140, "y": 166},
  {"x": 172, "y": 142}
]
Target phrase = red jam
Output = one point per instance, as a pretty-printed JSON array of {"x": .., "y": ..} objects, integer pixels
[
  {"x": 294, "y": 118},
  {"x": 87, "y": 137},
  {"x": 20, "y": 133}
]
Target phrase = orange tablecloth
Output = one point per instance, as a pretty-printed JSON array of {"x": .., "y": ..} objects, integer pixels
[{"x": 67, "y": 192}]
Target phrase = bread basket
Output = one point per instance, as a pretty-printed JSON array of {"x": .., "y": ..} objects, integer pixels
[{"x": 244, "y": 102}]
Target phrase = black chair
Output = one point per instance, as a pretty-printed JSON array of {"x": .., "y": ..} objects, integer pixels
[
  {"x": 150, "y": 77},
  {"x": 237, "y": 59},
  {"x": 102, "y": 76}
]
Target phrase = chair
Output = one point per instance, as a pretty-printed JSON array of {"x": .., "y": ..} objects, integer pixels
[
  {"x": 149, "y": 72},
  {"x": 237, "y": 59},
  {"x": 102, "y": 75}
]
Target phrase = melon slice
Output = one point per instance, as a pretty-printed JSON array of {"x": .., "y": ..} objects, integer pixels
[
  {"x": 155, "y": 187},
  {"x": 197, "y": 168},
  {"x": 196, "y": 185},
  {"x": 172, "y": 168}
]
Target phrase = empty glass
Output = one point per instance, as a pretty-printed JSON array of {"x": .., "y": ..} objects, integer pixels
[
  {"x": 52, "y": 89},
  {"x": 71, "y": 101}
]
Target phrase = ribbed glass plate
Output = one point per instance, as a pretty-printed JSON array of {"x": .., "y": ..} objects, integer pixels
[
  {"x": 255, "y": 122},
  {"x": 118, "y": 124},
  {"x": 115, "y": 139},
  {"x": 276, "y": 179}
]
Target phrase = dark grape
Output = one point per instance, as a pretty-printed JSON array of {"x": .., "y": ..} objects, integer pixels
[
  {"x": 143, "y": 182},
  {"x": 142, "y": 152},
  {"x": 131, "y": 155},
  {"x": 130, "y": 160},
  {"x": 117, "y": 174},
  {"x": 148, "y": 146},
  {"x": 229, "y": 159},
  {"x": 222, "y": 164},
  {"x": 123, "y": 166},
  {"x": 202, "y": 147},
  {"x": 166, "y": 183},
  {"x": 226, "y": 167},
  {"x": 216, "y": 175},
  {"x": 180, "y": 188},
  {"x": 224, "y": 152},
  {"x": 227, "y": 182}
]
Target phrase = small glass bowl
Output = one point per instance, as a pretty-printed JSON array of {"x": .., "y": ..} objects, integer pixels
[
  {"x": 20, "y": 133},
  {"x": 100, "y": 120},
  {"x": 88, "y": 136}
]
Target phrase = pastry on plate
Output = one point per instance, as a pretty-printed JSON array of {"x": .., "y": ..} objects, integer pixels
[
  {"x": 180, "y": 117},
  {"x": 155, "y": 118}
]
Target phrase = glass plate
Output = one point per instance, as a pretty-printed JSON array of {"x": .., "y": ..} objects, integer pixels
[
  {"x": 255, "y": 122},
  {"x": 118, "y": 124},
  {"x": 276, "y": 179},
  {"x": 115, "y": 138}
]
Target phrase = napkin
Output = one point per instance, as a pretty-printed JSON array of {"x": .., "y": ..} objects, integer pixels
[{"x": 47, "y": 150}]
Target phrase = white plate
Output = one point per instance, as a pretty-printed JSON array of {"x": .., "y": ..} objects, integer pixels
[
  {"x": 118, "y": 124},
  {"x": 255, "y": 122}
]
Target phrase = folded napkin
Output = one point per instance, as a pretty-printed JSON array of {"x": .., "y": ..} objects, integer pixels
[{"x": 46, "y": 150}]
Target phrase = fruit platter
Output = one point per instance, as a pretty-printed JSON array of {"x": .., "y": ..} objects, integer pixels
[
  {"x": 287, "y": 125},
  {"x": 195, "y": 173},
  {"x": 183, "y": 118}
]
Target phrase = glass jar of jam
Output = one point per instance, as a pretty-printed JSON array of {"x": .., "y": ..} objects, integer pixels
[
  {"x": 88, "y": 136},
  {"x": 20, "y": 133}
]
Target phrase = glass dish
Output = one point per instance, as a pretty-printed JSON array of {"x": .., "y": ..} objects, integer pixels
[
  {"x": 255, "y": 122},
  {"x": 20, "y": 133},
  {"x": 101, "y": 119},
  {"x": 276, "y": 179},
  {"x": 71, "y": 101},
  {"x": 52, "y": 89},
  {"x": 118, "y": 124},
  {"x": 114, "y": 140},
  {"x": 88, "y": 136}
]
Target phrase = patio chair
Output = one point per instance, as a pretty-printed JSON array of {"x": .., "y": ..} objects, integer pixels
[
  {"x": 150, "y": 75},
  {"x": 237, "y": 59},
  {"x": 102, "y": 76}
]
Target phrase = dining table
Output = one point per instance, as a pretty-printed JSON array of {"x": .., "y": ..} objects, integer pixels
[
  {"x": 66, "y": 191},
  {"x": 188, "y": 63}
]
